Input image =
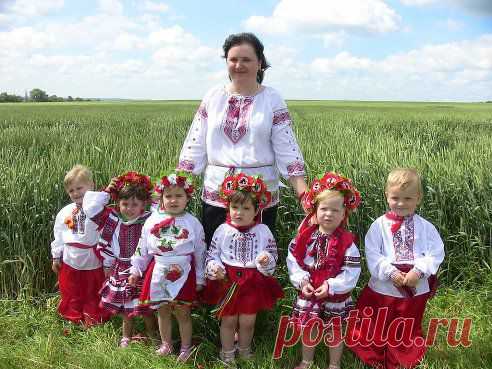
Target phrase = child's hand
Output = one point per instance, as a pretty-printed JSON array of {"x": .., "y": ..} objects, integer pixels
[
  {"x": 322, "y": 291},
  {"x": 55, "y": 266},
  {"x": 398, "y": 279},
  {"x": 199, "y": 287},
  {"x": 133, "y": 279},
  {"x": 219, "y": 273},
  {"x": 307, "y": 289},
  {"x": 263, "y": 260},
  {"x": 112, "y": 185},
  {"x": 411, "y": 279},
  {"x": 107, "y": 272}
]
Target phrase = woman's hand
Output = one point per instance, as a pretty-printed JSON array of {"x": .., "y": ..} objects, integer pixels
[
  {"x": 133, "y": 279},
  {"x": 55, "y": 266},
  {"x": 300, "y": 186}
]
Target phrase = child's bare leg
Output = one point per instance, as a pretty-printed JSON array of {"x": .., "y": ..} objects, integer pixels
[
  {"x": 164, "y": 319},
  {"x": 183, "y": 316},
  {"x": 308, "y": 351},
  {"x": 227, "y": 328},
  {"x": 335, "y": 352},
  {"x": 246, "y": 332},
  {"x": 150, "y": 325},
  {"x": 127, "y": 326}
]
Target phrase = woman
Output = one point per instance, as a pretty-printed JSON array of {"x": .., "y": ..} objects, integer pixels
[{"x": 245, "y": 127}]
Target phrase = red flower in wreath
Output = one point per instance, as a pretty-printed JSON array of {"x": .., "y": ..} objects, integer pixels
[
  {"x": 244, "y": 181},
  {"x": 131, "y": 179}
]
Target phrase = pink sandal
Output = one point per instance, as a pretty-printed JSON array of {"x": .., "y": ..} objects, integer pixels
[
  {"x": 124, "y": 342},
  {"x": 304, "y": 364},
  {"x": 164, "y": 350},
  {"x": 185, "y": 353}
]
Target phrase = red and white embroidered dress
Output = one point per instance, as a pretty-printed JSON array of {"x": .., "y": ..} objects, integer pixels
[{"x": 250, "y": 133}]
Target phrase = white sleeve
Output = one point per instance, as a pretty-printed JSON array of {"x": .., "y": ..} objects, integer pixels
[
  {"x": 270, "y": 250},
  {"x": 347, "y": 279},
  {"x": 94, "y": 204},
  {"x": 429, "y": 263},
  {"x": 141, "y": 258},
  {"x": 193, "y": 156},
  {"x": 296, "y": 274},
  {"x": 199, "y": 254},
  {"x": 57, "y": 244},
  {"x": 213, "y": 255},
  {"x": 379, "y": 265},
  {"x": 288, "y": 156}
]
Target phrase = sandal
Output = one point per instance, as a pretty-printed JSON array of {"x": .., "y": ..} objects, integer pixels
[
  {"x": 333, "y": 366},
  {"x": 304, "y": 364},
  {"x": 124, "y": 342},
  {"x": 164, "y": 350},
  {"x": 227, "y": 357},
  {"x": 185, "y": 352},
  {"x": 245, "y": 353}
]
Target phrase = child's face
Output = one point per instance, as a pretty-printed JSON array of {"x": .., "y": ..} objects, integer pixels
[
  {"x": 131, "y": 208},
  {"x": 403, "y": 202},
  {"x": 77, "y": 189},
  {"x": 174, "y": 200},
  {"x": 330, "y": 213},
  {"x": 242, "y": 214}
]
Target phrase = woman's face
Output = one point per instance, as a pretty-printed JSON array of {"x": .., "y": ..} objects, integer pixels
[{"x": 242, "y": 63}]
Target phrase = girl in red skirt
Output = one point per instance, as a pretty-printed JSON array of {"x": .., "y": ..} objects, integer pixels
[
  {"x": 79, "y": 269},
  {"x": 240, "y": 263},
  {"x": 324, "y": 262},
  {"x": 171, "y": 253},
  {"x": 120, "y": 229}
]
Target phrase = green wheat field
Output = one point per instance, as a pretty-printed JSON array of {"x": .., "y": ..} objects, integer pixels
[{"x": 449, "y": 143}]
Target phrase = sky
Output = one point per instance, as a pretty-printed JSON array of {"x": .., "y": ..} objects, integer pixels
[{"x": 404, "y": 50}]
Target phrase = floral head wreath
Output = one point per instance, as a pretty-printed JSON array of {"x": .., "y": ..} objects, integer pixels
[
  {"x": 131, "y": 179},
  {"x": 176, "y": 178},
  {"x": 336, "y": 182},
  {"x": 244, "y": 183}
]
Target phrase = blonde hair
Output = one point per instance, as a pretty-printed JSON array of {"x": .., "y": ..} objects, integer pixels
[
  {"x": 78, "y": 173},
  {"x": 326, "y": 194},
  {"x": 404, "y": 178}
]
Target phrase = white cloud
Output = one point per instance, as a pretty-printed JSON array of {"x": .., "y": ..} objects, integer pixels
[
  {"x": 151, "y": 6},
  {"x": 417, "y": 2},
  {"x": 320, "y": 16},
  {"x": 451, "y": 25},
  {"x": 479, "y": 7},
  {"x": 24, "y": 38},
  {"x": 334, "y": 39},
  {"x": 113, "y": 7},
  {"x": 31, "y": 8}
]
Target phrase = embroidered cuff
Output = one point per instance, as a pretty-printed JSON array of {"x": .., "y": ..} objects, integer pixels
[
  {"x": 395, "y": 273},
  {"x": 418, "y": 272}
]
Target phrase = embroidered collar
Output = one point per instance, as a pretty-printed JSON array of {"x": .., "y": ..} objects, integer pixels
[
  {"x": 242, "y": 229},
  {"x": 397, "y": 220}
]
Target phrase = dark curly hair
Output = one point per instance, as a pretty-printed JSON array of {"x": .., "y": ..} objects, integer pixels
[{"x": 251, "y": 39}]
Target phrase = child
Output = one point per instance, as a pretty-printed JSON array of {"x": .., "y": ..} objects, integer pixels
[
  {"x": 80, "y": 272},
  {"x": 171, "y": 252},
  {"x": 241, "y": 259},
  {"x": 120, "y": 231},
  {"x": 403, "y": 252},
  {"x": 323, "y": 260}
]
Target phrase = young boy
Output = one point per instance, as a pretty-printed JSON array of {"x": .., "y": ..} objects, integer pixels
[
  {"x": 79, "y": 270},
  {"x": 403, "y": 252}
]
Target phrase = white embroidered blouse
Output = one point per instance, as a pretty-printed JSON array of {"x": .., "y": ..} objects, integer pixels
[
  {"x": 75, "y": 237},
  {"x": 416, "y": 243},
  {"x": 229, "y": 246},
  {"x": 250, "y": 133}
]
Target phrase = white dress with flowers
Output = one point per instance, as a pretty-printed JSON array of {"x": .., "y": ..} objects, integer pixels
[
  {"x": 172, "y": 242},
  {"x": 252, "y": 134}
]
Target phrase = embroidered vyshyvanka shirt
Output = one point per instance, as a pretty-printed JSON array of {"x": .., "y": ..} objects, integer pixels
[
  {"x": 75, "y": 237},
  {"x": 231, "y": 247},
  {"x": 252, "y": 134},
  {"x": 416, "y": 243}
]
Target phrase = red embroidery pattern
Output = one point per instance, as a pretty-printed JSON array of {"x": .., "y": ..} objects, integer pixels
[
  {"x": 202, "y": 111},
  {"x": 404, "y": 250},
  {"x": 245, "y": 247},
  {"x": 281, "y": 117},
  {"x": 235, "y": 124},
  {"x": 78, "y": 220},
  {"x": 186, "y": 165},
  {"x": 296, "y": 168}
]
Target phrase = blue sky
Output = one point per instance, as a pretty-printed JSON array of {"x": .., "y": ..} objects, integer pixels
[{"x": 426, "y": 50}]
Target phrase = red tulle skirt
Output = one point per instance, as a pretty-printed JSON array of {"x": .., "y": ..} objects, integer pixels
[
  {"x": 79, "y": 290},
  {"x": 253, "y": 292}
]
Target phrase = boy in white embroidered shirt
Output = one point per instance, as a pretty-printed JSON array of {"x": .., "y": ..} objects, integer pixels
[
  {"x": 79, "y": 270},
  {"x": 403, "y": 252}
]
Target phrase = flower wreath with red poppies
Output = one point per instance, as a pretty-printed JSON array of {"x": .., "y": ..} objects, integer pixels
[
  {"x": 243, "y": 182},
  {"x": 131, "y": 179},
  {"x": 176, "y": 178},
  {"x": 335, "y": 182}
]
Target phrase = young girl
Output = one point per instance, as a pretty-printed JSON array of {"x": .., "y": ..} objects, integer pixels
[
  {"x": 171, "y": 252},
  {"x": 120, "y": 230},
  {"x": 323, "y": 260},
  {"x": 241, "y": 259},
  {"x": 403, "y": 252},
  {"x": 80, "y": 273}
]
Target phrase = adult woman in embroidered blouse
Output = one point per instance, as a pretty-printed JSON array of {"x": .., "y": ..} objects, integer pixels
[{"x": 244, "y": 126}]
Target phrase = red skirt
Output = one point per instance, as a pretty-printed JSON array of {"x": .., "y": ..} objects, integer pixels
[
  {"x": 253, "y": 292},
  {"x": 79, "y": 290},
  {"x": 388, "y": 354}
]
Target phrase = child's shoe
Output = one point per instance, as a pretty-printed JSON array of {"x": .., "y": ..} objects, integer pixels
[
  {"x": 228, "y": 357},
  {"x": 124, "y": 342},
  {"x": 305, "y": 364},
  {"x": 245, "y": 353},
  {"x": 185, "y": 352},
  {"x": 164, "y": 350}
]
